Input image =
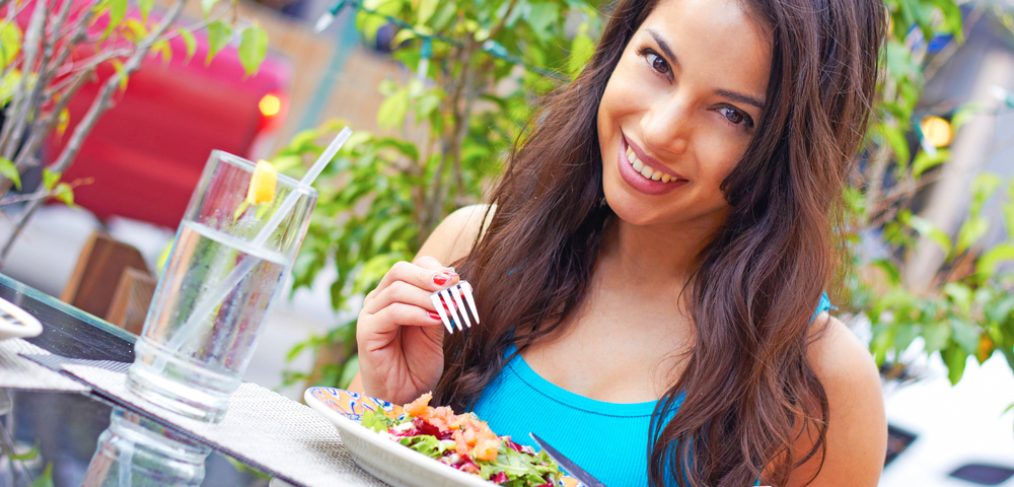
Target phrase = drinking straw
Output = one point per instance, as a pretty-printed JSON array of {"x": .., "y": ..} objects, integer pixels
[{"x": 212, "y": 299}]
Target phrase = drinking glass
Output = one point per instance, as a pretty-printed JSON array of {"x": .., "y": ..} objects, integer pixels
[
  {"x": 138, "y": 452},
  {"x": 235, "y": 244}
]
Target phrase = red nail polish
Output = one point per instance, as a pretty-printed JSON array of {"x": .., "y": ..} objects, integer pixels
[
  {"x": 440, "y": 279},
  {"x": 433, "y": 314}
]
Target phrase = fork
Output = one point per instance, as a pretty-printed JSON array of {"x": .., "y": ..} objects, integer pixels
[{"x": 451, "y": 306}]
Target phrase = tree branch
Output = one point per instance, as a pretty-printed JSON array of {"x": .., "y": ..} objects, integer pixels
[
  {"x": 98, "y": 106},
  {"x": 101, "y": 103},
  {"x": 17, "y": 109}
]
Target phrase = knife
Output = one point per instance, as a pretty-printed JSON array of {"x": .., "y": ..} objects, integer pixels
[{"x": 568, "y": 464}]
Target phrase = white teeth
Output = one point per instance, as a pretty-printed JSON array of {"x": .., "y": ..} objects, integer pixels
[{"x": 645, "y": 170}]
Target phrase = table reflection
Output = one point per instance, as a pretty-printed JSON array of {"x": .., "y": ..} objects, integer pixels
[{"x": 138, "y": 452}]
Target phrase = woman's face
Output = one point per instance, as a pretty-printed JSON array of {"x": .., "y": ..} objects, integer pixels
[{"x": 679, "y": 111}]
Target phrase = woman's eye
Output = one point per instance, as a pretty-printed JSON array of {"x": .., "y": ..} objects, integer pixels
[
  {"x": 735, "y": 117},
  {"x": 656, "y": 62}
]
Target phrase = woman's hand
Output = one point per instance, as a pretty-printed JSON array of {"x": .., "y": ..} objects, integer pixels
[{"x": 399, "y": 333}]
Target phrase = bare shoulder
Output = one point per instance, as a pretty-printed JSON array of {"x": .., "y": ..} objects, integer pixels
[
  {"x": 838, "y": 357},
  {"x": 455, "y": 236},
  {"x": 857, "y": 428}
]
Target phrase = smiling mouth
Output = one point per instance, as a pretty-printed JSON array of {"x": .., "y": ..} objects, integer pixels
[{"x": 645, "y": 170}]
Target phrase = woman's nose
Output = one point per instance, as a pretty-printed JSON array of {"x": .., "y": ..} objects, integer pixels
[{"x": 667, "y": 126}]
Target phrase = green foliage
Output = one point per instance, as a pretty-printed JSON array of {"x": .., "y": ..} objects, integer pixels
[
  {"x": 123, "y": 36},
  {"x": 219, "y": 34},
  {"x": 253, "y": 47},
  {"x": 188, "y": 40},
  {"x": 10, "y": 171},
  {"x": 968, "y": 308},
  {"x": 10, "y": 43},
  {"x": 384, "y": 194}
]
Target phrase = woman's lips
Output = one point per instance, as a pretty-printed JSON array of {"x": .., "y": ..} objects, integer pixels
[{"x": 646, "y": 178}]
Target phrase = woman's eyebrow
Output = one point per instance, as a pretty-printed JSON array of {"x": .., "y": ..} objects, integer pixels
[
  {"x": 664, "y": 46},
  {"x": 732, "y": 95}
]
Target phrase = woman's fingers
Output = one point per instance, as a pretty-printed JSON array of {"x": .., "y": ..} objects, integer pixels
[
  {"x": 397, "y": 315},
  {"x": 398, "y": 292},
  {"x": 431, "y": 279}
]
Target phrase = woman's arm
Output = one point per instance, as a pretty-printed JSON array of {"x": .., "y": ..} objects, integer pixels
[
  {"x": 451, "y": 241},
  {"x": 857, "y": 428}
]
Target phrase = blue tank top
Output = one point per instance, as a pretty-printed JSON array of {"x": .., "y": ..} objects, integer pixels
[{"x": 609, "y": 440}]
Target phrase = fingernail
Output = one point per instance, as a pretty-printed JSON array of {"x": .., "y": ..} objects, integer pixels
[
  {"x": 434, "y": 315},
  {"x": 441, "y": 279}
]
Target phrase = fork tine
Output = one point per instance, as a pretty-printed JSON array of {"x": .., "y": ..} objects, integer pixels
[
  {"x": 440, "y": 311},
  {"x": 452, "y": 308},
  {"x": 457, "y": 292},
  {"x": 467, "y": 288}
]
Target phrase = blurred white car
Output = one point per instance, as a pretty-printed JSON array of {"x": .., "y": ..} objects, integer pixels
[{"x": 951, "y": 436}]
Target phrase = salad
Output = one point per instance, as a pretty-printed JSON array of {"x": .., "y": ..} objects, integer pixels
[{"x": 466, "y": 443}]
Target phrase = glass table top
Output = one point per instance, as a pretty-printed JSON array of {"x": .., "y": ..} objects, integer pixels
[{"x": 67, "y": 439}]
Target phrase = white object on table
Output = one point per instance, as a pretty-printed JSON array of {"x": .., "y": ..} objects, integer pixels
[{"x": 16, "y": 322}]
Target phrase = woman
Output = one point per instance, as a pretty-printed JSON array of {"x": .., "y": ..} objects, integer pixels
[{"x": 648, "y": 271}]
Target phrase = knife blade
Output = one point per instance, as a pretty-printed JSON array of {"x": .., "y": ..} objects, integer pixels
[{"x": 568, "y": 464}]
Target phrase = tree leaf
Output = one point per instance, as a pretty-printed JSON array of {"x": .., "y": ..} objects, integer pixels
[
  {"x": 253, "y": 47},
  {"x": 65, "y": 193},
  {"x": 136, "y": 30},
  {"x": 121, "y": 74},
  {"x": 426, "y": 10},
  {"x": 188, "y": 40},
  {"x": 966, "y": 335},
  {"x": 393, "y": 110},
  {"x": 935, "y": 336},
  {"x": 971, "y": 231},
  {"x": 895, "y": 138},
  {"x": 987, "y": 264},
  {"x": 219, "y": 34},
  {"x": 50, "y": 178},
  {"x": 402, "y": 36},
  {"x": 928, "y": 230},
  {"x": 10, "y": 43},
  {"x": 955, "y": 358},
  {"x": 207, "y": 5},
  {"x": 542, "y": 17},
  {"x": 9, "y": 84},
  {"x": 145, "y": 7},
  {"x": 581, "y": 50},
  {"x": 62, "y": 122},
  {"x": 961, "y": 295},
  {"x": 983, "y": 187},
  {"x": 161, "y": 46},
  {"x": 10, "y": 171},
  {"x": 925, "y": 161},
  {"x": 387, "y": 229},
  {"x": 117, "y": 10}
]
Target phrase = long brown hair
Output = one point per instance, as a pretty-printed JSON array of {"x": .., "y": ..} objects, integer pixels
[{"x": 748, "y": 387}]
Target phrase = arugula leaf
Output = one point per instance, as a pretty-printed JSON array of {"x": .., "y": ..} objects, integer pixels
[
  {"x": 428, "y": 445},
  {"x": 377, "y": 421}
]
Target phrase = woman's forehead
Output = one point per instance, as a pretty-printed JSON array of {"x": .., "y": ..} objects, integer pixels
[{"x": 716, "y": 39}]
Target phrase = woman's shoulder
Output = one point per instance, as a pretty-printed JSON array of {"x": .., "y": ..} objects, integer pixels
[
  {"x": 454, "y": 237},
  {"x": 837, "y": 355},
  {"x": 857, "y": 428}
]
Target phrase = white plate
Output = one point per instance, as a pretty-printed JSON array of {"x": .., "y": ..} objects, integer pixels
[
  {"x": 385, "y": 459},
  {"x": 16, "y": 322}
]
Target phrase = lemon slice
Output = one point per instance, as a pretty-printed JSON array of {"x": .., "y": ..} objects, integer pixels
[{"x": 262, "y": 184}]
